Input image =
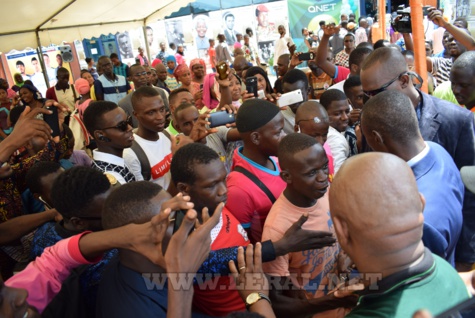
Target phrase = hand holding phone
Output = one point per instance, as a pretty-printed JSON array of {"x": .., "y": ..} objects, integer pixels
[
  {"x": 220, "y": 119},
  {"x": 251, "y": 85},
  {"x": 52, "y": 120},
  {"x": 306, "y": 56},
  {"x": 290, "y": 98},
  {"x": 222, "y": 69}
]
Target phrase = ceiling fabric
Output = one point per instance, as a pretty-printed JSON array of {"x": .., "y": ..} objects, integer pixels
[{"x": 69, "y": 20}]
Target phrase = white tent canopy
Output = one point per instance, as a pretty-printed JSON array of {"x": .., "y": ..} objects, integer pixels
[{"x": 56, "y": 21}]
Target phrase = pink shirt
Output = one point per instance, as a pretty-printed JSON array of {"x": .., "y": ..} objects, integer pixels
[
  {"x": 44, "y": 277},
  {"x": 331, "y": 166},
  {"x": 246, "y": 201},
  {"x": 308, "y": 270}
]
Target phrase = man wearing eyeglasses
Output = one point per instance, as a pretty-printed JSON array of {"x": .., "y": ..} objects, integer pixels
[
  {"x": 439, "y": 121},
  {"x": 111, "y": 129}
]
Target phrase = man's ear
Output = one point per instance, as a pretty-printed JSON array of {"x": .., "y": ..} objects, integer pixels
[
  {"x": 183, "y": 188},
  {"x": 405, "y": 81},
  {"x": 285, "y": 175},
  {"x": 377, "y": 136},
  {"x": 342, "y": 231},
  {"x": 255, "y": 137},
  {"x": 354, "y": 68}
]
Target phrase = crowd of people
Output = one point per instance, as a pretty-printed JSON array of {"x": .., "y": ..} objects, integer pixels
[{"x": 119, "y": 198}]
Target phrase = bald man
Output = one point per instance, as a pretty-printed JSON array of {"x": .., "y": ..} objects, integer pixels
[
  {"x": 312, "y": 120},
  {"x": 442, "y": 122},
  {"x": 382, "y": 236},
  {"x": 240, "y": 64},
  {"x": 162, "y": 76},
  {"x": 387, "y": 131}
]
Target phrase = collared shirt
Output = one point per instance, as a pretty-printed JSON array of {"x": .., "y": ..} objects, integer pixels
[
  {"x": 113, "y": 165},
  {"x": 419, "y": 156},
  {"x": 122, "y": 70},
  {"x": 112, "y": 90}
]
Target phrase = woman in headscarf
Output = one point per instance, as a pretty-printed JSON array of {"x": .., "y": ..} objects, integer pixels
[
  {"x": 211, "y": 94},
  {"x": 198, "y": 72},
  {"x": 18, "y": 82},
  {"x": 87, "y": 75},
  {"x": 171, "y": 81},
  {"x": 263, "y": 82},
  {"x": 180, "y": 53},
  {"x": 183, "y": 75}
]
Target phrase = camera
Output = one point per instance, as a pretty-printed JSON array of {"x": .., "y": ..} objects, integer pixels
[{"x": 404, "y": 23}]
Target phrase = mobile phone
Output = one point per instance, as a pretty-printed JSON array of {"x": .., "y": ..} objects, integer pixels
[
  {"x": 251, "y": 85},
  {"x": 179, "y": 216},
  {"x": 466, "y": 305},
  {"x": 220, "y": 119},
  {"x": 306, "y": 56},
  {"x": 290, "y": 98},
  {"x": 222, "y": 69},
  {"x": 52, "y": 120},
  {"x": 425, "y": 10},
  {"x": 261, "y": 94}
]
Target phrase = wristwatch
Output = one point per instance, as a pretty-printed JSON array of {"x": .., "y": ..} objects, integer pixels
[{"x": 253, "y": 298}]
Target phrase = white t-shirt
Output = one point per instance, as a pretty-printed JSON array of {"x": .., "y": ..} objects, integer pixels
[
  {"x": 339, "y": 147},
  {"x": 281, "y": 47},
  {"x": 159, "y": 155}
]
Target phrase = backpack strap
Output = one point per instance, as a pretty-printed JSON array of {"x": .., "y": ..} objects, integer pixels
[
  {"x": 167, "y": 134},
  {"x": 256, "y": 180},
  {"x": 144, "y": 163},
  {"x": 85, "y": 133}
]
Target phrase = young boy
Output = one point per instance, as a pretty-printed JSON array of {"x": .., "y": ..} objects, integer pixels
[{"x": 304, "y": 169}]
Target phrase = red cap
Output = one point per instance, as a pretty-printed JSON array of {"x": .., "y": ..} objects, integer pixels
[{"x": 262, "y": 8}]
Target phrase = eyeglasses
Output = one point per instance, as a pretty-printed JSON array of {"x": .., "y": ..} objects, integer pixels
[
  {"x": 375, "y": 92},
  {"x": 123, "y": 125},
  {"x": 140, "y": 74}
]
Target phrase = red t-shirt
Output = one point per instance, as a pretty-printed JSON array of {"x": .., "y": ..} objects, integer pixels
[
  {"x": 212, "y": 56},
  {"x": 246, "y": 201},
  {"x": 341, "y": 74},
  {"x": 218, "y": 297}
]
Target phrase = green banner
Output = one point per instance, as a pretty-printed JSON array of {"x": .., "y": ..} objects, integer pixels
[{"x": 308, "y": 14}]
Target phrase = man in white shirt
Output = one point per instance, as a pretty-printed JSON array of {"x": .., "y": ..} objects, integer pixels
[
  {"x": 283, "y": 44},
  {"x": 150, "y": 111},
  {"x": 338, "y": 109}
]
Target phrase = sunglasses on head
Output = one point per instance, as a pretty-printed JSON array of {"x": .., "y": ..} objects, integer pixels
[
  {"x": 375, "y": 92},
  {"x": 123, "y": 125}
]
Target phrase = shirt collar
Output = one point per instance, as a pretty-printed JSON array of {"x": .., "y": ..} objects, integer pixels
[
  {"x": 405, "y": 277},
  {"x": 419, "y": 156},
  {"x": 107, "y": 157}
]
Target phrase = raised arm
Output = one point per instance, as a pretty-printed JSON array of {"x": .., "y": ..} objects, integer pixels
[
  {"x": 459, "y": 34},
  {"x": 322, "y": 51}
]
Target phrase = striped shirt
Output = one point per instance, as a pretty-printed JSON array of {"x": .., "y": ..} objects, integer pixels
[
  {"x": 122, "y": 70},
  {"x": 112, "y": 91},
  {"x": 441, "y": 69}
]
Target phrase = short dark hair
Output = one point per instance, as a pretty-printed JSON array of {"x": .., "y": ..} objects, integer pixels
[
  {"x": 62, "y": 70},
  {"x": 20, "y": 63},
  {"x": 365, "y": 44},
  {"x": 391, "y": 114},
  {"x": 293, "y": 143},
  {"x": 380, "y": 43},
  {"x": 175, "y": 93},
  {"x": 88, "y": 59},
  {"x": 34, "y": 59},
  {"x": 92, "y": 117},
  {"x": 295, "y": 75},
  {"x": 358, "y": 55},
  {"x": 15, "y": 114},
  {"x": 130, "y": 203},
  {"x": 37, "y": 172},
  {"x": 350, "y": 82},
  {"x": 330, "y": 96},
  {"x": 181, "y": 107},
  {"x": 466, "y": 61},
  {"x": 114, "y": 56},
  {"x": 182, "y": 167},
  {"x": 74, "y": 189},
  {"x": 322, "y": 22},
  {"x": 144, "y": 91}
]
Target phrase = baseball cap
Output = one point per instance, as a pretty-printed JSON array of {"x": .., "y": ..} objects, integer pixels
[{"x": 262, "y": 8}]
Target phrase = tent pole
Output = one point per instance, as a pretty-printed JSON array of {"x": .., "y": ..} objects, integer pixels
[{"x": 419, "y": 41}]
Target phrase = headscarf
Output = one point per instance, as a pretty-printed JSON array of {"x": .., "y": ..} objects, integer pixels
[
  {"x": 195, "y": 62},
  {"x": 180, "y": 69},
  {"x": 19, "y": 84},
  {"x": 208, "y": 85},
  {"x": 257, "y": 70},
  {"x": 168, "y": 59}
]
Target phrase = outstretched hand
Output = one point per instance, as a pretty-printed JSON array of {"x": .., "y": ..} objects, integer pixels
[
  {"x": 28, "y": 126},
  {"x": 297, "y": 239}
]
